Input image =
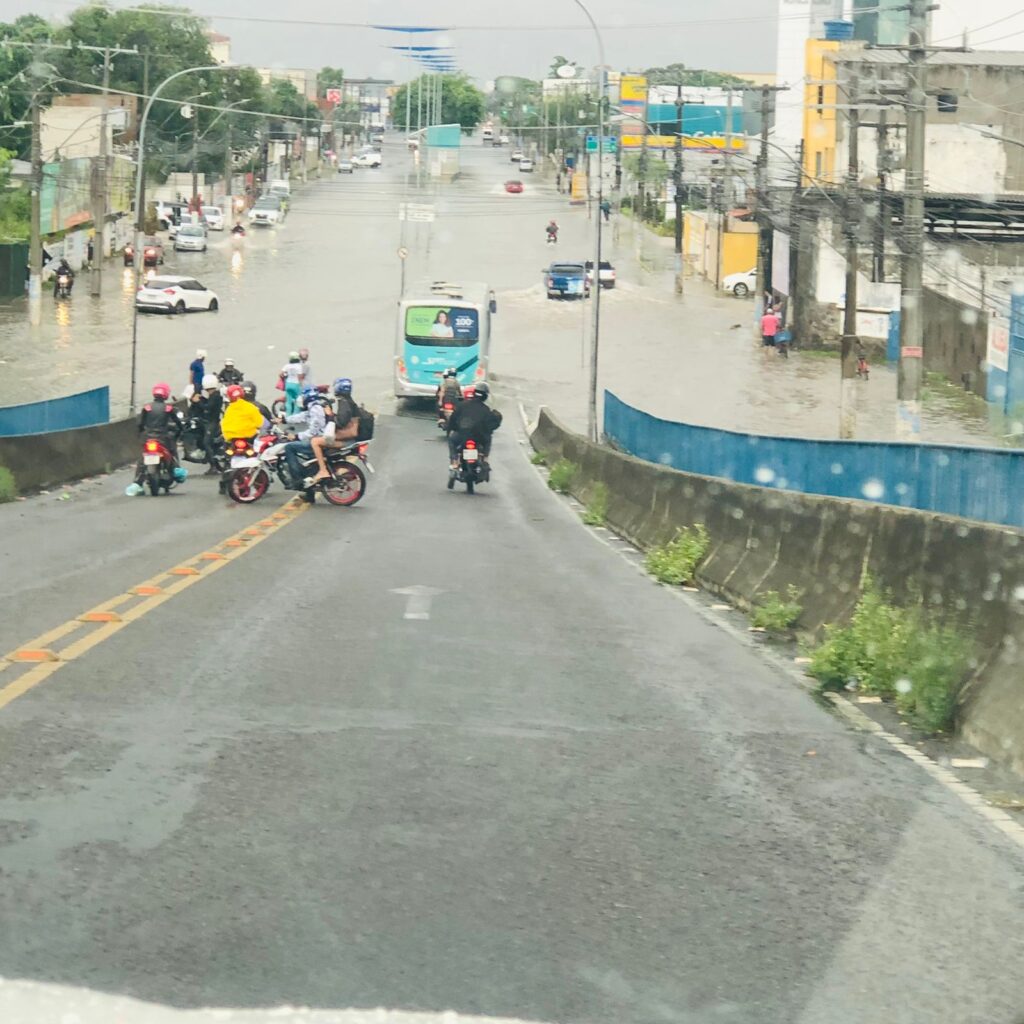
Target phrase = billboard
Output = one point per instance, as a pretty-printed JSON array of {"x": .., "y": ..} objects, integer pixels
[
  {"x": 633, "y": 105},
  {"x": 458, "y": 324}
]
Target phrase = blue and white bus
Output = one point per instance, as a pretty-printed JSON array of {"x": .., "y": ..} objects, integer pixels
[{"x": 442, "y": 324}]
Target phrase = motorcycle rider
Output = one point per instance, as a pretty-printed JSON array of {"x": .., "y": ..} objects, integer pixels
[
  {"x": 241, "y": 418},
  {"x": 212, "y": 406},
  {"x": 346, "y": 426},
  {"x": 552, "y": 231},
  {"x": 314, "y": 416},
  {"x": 448, "y": 391},
  {"x": 473, "y": 420},
  {"x": 160, "y": 421},
  {"x": 250, "y": 396},
  {"x": 238, "y": 229},
  {"x": 63, "y": 270},
  {"x": 230, "y": 374}
]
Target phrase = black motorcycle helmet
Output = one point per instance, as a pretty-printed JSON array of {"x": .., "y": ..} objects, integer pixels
[
  {"x": 481, "y": 391},
  {"x": 250, "y": 390}
]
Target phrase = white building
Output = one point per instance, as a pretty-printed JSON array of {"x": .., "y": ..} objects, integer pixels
[
  {"x": 69, "y": 132},
  {"x": 220, "y": 46},
  {"x": 303, "y": 79}
]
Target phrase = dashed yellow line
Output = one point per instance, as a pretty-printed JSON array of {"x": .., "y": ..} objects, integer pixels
[{"x": 103, "y": 621}]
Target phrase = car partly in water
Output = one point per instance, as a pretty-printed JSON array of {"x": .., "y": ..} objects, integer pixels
[
  {"x": 266, "y": 212},
  {"x": 566, "y": 280},
  {"x": 174, "y": 294},
  {"x": 606, "y": 275},
  {"x": 514, "y": 186},
  {"x": 190, "y": 238},
  {"x": 741, "y": 285},
  {"x": 214, "y": 217}
]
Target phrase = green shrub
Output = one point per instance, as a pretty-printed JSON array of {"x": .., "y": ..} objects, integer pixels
[
  {"x": 676, "y": 561},
  {"x": 8, "y": 488},
  {"x": 538, "y": 459},
  {"x": 561, "y": 476},
  {"x": 895, "y": 653},
  {"x": 775, "y": 613},
  {"x": 597, "y": 507}
]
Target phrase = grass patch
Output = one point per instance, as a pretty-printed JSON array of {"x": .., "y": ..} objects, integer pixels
[
  {"x": 896, "y": 653},
  {"x": 538, "y": 459},
  {"x": 597, "y": 508},
  {"x": 676, "y": 561},
  {"x": 776, "y": 613},
  {"x": 8, "y": 488},
  {"x": 562, "y": 474}
]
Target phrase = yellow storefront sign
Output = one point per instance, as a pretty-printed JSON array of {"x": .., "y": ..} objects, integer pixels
[{"x": 633, "y": 88}]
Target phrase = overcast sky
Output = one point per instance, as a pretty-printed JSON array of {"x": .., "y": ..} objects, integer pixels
[{"x": 737, "y": 35}]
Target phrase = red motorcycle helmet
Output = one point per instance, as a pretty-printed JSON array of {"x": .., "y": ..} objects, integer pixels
[
  {"x": 162, "y": 391},
  {"x": 235, "y": 392}
]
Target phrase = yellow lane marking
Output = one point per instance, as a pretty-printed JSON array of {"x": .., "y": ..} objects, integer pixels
[{"x": 105, "y": 624}]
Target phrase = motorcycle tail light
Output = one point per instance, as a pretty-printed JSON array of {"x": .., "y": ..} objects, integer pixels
[
  {"x": 151, "y": 252},
  {"x": 362, "y": 449},
  {"x": 448, "y": 407},
  {"x": 241, "y": 444},
  {"x": 152, "y": 446},
  {"x": 471, "y": 444}
]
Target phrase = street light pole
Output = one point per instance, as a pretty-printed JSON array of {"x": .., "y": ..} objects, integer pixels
[
  {"x": 140, "y": 210},
  {"x": 595, "y": 337}
]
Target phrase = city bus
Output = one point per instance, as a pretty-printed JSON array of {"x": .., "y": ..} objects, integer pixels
[{"x": 442, "y": 324}]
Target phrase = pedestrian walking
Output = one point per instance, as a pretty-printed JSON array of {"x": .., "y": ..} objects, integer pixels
[
  {"x": 292, "y": 375},
  {"x": 558, "y": 181},
  {"x": 769, "y": 327},
  {"x": 606, "y": 210},
  {"x": 197, "y": 369}
]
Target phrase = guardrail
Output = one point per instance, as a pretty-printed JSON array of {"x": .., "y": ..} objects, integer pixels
[
  {"x": 974, "y": 482},
  {"x": 86, "y": 409}
]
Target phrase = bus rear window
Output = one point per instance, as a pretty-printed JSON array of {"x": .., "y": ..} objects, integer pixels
[{"x": 442, "y": 326}]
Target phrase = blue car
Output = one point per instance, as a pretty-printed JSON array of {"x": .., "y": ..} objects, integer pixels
[{"x": 567, "y": 280}]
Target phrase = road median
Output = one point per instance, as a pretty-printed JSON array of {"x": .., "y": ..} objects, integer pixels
[{"x": 762, "y": 539}]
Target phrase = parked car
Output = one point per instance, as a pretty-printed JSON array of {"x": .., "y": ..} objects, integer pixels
[
  {"x": 266, "y": 212},
  {"x": 345, "y": 166},
  {"x": 152, "y": 252},
  {"x": 175, "y": 295},
  {"x": 502, "y": 140},
  {"x": 190, "y": 238},
  {"x": 513, "y": 186},
  {"x": 369, "y": 159},
  {"x": 606, "y": 274},
  {"x": 517, "y": 155},
  {"x": 169, "y": 214},
  {"x": 525, "y": 165},
  {"x": 566, "y": 280},
  {"x": 214, "y": 217},
  {"x": 741, "y": 285}
]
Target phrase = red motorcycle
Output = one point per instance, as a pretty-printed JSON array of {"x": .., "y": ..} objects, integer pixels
[{"x": 160, "y": 465}]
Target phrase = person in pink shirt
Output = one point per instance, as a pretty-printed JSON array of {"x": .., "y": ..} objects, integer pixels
[{"x": 769, "y": 327}]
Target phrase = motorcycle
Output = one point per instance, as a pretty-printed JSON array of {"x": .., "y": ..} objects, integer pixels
[
  {"x": 194, "y": 447},
  {"x": 473, "y": 468},
  {"x": 552, "y": 237},
  {"x": 159, "y": 464},
  {"x": 255, "y": 462},
  {"x": 62, "y": 290}
]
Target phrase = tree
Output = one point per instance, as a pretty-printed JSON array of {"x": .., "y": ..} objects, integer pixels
[
  {"x": 558, "y": 62},
  {"x": 461, "y": 101},
  {"x": 328, "y": 78},
  {"x": 15, "y": 204},
  {"x": 15, "y": 81},
  {"x": 680, "y": 74}
]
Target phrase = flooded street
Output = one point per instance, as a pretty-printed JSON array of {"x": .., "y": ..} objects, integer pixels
[{"x": 328, "y": 279}]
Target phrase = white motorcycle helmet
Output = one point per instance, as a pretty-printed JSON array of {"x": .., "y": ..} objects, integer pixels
[{"x": 210, "y": 381}]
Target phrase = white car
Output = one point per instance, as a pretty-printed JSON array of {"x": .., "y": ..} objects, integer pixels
[
  {"x": 371, "y": 159},
  {"x": 741, "y": 285},
  {"x": 214, "y": 217},
  {"x": 517, "y": 155},
  {"x": 503, "y": 140},
  {"x": 345, "y": 166},
  {"x": 526, "y": 165},
  {"x": 190, "y": 238},
  {"x": 265, "y": 212},
  {"x": 175, "y": 295}
]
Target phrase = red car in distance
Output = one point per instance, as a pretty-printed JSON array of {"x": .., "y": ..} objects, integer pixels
[{"x": 513, "y": 186}]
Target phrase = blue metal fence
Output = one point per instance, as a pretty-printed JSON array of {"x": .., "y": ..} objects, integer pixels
[
  {"x": 978, "y": 483},
  {"x": 86, "y": 409}
]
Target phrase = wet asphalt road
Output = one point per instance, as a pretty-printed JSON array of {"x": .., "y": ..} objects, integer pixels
[{"x": 564, "y": 796}]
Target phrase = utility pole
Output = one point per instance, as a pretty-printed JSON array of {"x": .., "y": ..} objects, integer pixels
[
  {"x": 881, "y": 159},
  {"x": 594, "y": 431},
  {"x": 419, "y": 104},
  {"x": 850, "y": 343},
  {"x": 727, "y": 156},
  {"x": 229, "y": 206},
  {"x": 195, "y": 160},
  {"x": 908, "y": 386},
  {"x": 677, "y": 178},
  {"x": 99, "y": 197},
  {"x": 763, "y": 213},
  {"x": 35, "y": 256}
]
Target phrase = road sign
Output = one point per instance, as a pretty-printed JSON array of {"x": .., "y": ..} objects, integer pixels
[
  {"x": 420, "y": 212},
  {"x": 609, "y": 144},
  {"x": 333, "y": 95}
]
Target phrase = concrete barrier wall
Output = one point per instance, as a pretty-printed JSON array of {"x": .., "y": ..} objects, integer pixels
[
  {"x": 764, "y": 539},
  {"x": 41, "y": 460}
]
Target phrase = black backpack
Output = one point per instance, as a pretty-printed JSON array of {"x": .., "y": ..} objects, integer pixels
[{"x": 366, "y": 424}]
